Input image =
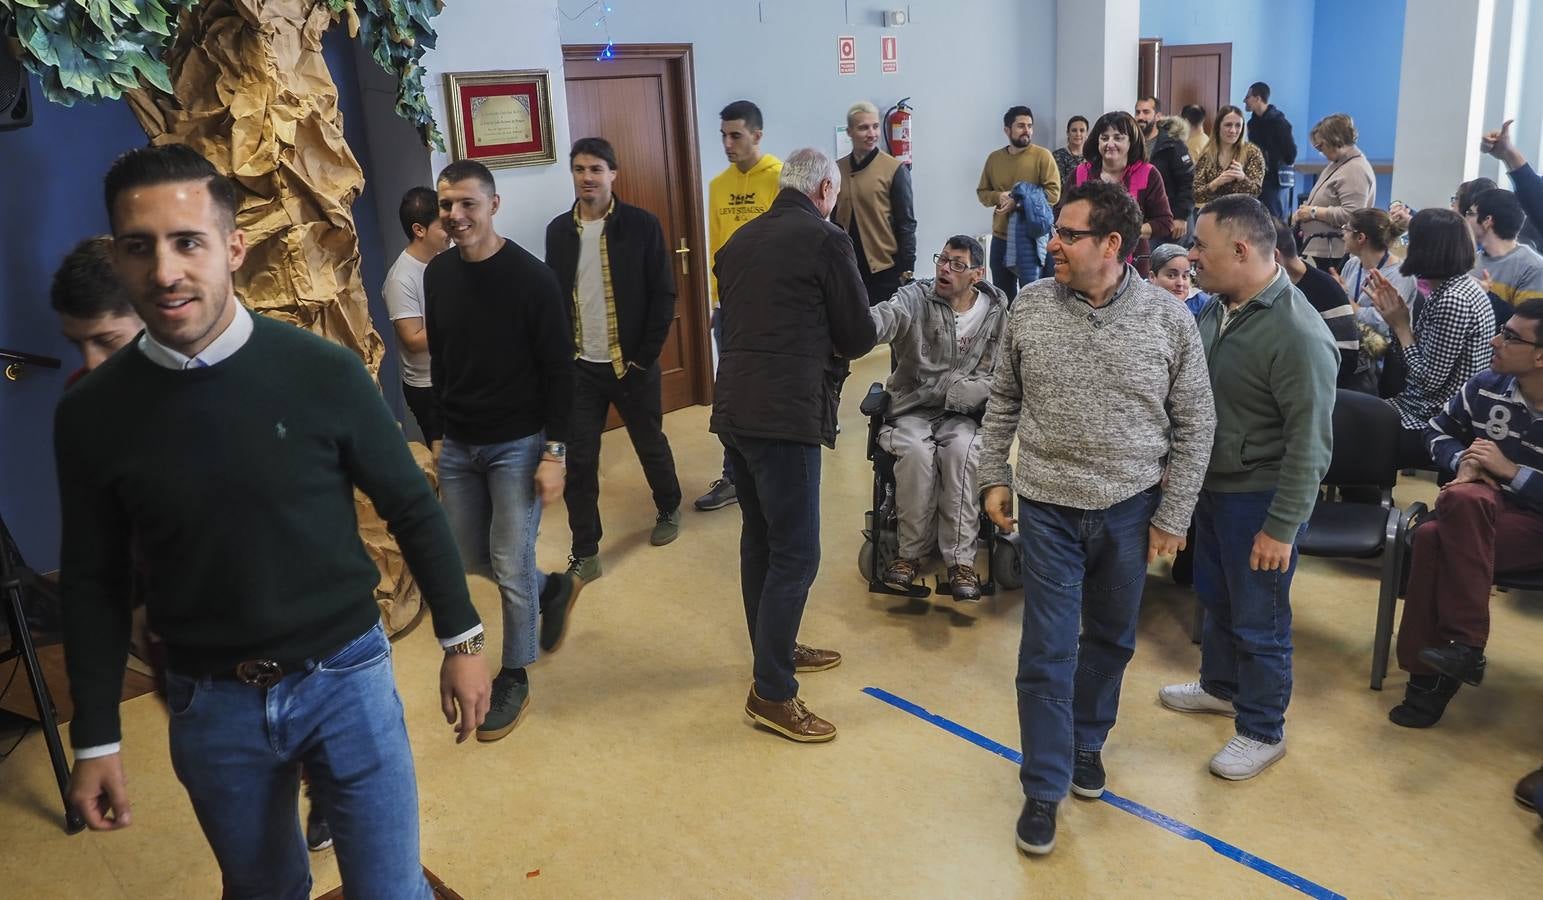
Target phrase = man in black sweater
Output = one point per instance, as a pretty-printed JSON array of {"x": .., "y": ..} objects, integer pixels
[
  {"x": 501, "y": 362},
  {"x": 615, "y": 276},
  {"x": 794, "y": 310},
  {"x": 1356, "y": 370},
  {"x": 236, "y": 445},
  {"x": 1271, "y": 131}
]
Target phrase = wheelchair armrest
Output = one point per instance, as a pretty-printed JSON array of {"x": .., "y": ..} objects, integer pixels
[{"x": 877, "y": 401}]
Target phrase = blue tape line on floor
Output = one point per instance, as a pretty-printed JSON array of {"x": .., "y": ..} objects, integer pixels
[{"x": 1242, "y": 857}]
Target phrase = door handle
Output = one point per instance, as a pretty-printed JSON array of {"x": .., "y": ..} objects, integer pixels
[{"x": 684, "y": 253}]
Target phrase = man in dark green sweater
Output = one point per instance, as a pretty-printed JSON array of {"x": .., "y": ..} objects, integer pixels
[
  {"x": 1273, "y": 363},
  {"x": 228, "y": 448}
]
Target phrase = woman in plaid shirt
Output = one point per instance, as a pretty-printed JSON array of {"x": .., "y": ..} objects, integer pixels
[{"x": 1444, "y": 339}]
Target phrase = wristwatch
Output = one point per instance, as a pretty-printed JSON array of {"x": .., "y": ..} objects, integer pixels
[
  {"x": 557, "y": 450},
  {"x": 469, "y": 647}
]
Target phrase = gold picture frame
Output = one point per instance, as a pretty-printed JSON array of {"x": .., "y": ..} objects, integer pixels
[{"x": 501, "y": 119}]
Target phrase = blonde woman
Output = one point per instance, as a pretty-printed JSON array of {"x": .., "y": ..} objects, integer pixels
[
  {"x": 1346, "y": 185},
  {"x": 1229, "y": 164}
]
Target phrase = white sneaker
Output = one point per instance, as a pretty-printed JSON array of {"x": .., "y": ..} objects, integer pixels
[
  {"x": 1191, "y": 697},
  {"x": 1243, "y": 758}
]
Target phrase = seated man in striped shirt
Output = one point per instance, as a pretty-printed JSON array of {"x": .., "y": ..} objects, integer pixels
[
  {"x": 1489, "y": 519},
  {"x": 1357, "y": 372}
]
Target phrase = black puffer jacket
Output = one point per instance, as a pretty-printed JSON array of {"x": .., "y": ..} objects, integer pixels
[
  {"x": 1169, "y": 154},
  {"x": 794, "y": 310}
]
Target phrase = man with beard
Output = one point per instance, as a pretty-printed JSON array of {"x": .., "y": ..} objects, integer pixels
[{"x": 1020, "y": 161}]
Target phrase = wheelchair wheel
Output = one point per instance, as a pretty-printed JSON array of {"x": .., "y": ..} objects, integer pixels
[
  {"x": 866, "y": 557},
  {"x": 1006, "y": 564}
]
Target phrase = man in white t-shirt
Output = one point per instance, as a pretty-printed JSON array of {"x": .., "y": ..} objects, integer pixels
[
  {"x": 426, "y": 237},
  {"x": 944, "y": 332}
]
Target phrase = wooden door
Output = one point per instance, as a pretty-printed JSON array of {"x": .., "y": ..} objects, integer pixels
[
  {"x": 642, "y": 101},
  {"x": 1196, "y": 73}
]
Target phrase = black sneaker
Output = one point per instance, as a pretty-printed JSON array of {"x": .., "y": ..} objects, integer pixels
[
  {"x": 719, "y": 494},
  {"x": 1459, "y": 661},
  {"x": 557, "y": 599},
  {"x": 1036, "y": 827},
  {"x": 1088, "y": 774},
  {"x": 1425, "y": 699},
  {"x": 317, "y": 835},
  {"x": 511, "y": 697}
]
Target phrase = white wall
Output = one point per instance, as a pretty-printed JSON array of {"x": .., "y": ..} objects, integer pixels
[
  {"x": 962, "y": 65},
  {"x": 516, "y": 34},
  {"x": 1097, "y": 56}
]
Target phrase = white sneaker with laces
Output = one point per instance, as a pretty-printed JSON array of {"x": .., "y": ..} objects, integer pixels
[
  {"x": 1243, "y": 758},
  {"x": 1191, "y": 697}
]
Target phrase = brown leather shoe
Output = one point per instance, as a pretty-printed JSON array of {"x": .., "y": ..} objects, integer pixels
[
  {"x": 900, "y": 573},
  {"x": 1528, "y": 790},
  {"x": 811, "y": 659},
  {"x": 965, "y": 582},
  {"x": 790, "y": 718}
]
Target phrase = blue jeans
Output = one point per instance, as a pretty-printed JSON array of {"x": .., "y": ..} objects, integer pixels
[
  {"x": 238, "y": 750},
  {"x": 1275, "y": 198},
  {"x": 1084, "y": 571},
  {"x": 1245, "y": 646},
  {"x": 779, "y": 549},
  {"x": 489, "y": 494}
]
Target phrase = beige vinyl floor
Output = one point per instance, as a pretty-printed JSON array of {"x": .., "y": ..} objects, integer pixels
[{"x": 636, "y": 774}]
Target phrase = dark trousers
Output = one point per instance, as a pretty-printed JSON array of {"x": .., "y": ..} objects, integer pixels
[
  {"x": 420, "y": 401},
  {"x": 1477, "y": 532},
  {"x": 881, "y": 285},
  {"x": 717, "y": 327},
  {"x": 1001, "y": 276},
  {"x": 595, "y": 388},
  {"x": 1413, "y": 452},
  {"x": 779, "y": 549}
]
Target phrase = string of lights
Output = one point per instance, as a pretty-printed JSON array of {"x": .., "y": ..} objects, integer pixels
[{"x": 602, "y": 20}]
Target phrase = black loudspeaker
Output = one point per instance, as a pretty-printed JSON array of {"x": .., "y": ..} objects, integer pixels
[{"x": 15, "y": 101}]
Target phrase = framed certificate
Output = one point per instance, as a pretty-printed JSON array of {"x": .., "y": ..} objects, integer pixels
[{"x": 501, "y": 119}]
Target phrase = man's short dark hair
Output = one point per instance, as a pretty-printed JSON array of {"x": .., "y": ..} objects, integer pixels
[
  {"x": 746, "y": 112},
  {"x": 1259, "y": 89},
  {"x": 599, "y": 148},
  {"x": 1245, "y": 217},
  {"x": 1440, "y": 245},
  {"x": 1118, "y": 120},
  {"x": 1014, "y": 112},
  {"x": 1503, "y": 209},
  {"x": 1112, "y": 211},
  {"x": 1285, "y": 240},
  {"x": 1468, "y": 190},
  {"x": 1194, "y": 114},
  {"x": 965, "y": 242},
  {"x": 1530, "y": 309},
  {"x": 1157, "y": 105},
  {"x": 85, "y": 285},
  {"x": 169, "y": 164},
  {"x": 463, "y": 169},
  {"x": 420, "y": 206}
]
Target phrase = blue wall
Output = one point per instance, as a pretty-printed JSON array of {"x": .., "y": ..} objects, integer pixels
[
  {"x": 1358, "y": 52},
  {"x": 54, "y": 193}
]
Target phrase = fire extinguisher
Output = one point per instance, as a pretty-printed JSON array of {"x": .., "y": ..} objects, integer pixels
[{"x": 897, "y": 131}]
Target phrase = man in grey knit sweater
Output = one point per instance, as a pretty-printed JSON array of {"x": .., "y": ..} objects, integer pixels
[{"x": 1104, "y": 382}]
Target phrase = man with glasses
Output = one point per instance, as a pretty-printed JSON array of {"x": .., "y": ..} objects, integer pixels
[
  {"x": 1104, "y": 383},
  {"x": 1488, "y": 520},
  {"x": 945, "y": 333}
]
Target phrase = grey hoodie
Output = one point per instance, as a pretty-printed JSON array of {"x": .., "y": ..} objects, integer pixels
[{"x": 930, "y": 372}]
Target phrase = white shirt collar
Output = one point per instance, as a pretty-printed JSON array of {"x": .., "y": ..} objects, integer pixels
[{"x": 233, "y": 338}]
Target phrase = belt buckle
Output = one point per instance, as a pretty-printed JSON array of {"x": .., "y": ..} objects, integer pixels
[{"x": 259, "y": 672}]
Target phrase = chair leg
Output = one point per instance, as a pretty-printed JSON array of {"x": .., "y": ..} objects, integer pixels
[{"x": 1387, "y": 596}]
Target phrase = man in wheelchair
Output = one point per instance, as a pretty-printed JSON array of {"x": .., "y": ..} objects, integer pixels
[{"x": 944, "y": 333}]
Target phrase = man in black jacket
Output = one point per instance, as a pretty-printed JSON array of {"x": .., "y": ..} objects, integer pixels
[
  {"x": 794, "y": 310},
  {"x": 615, "y": 274},
  {"x": 1268, "y": 128},
  {"x": 1169, "y": 154}
]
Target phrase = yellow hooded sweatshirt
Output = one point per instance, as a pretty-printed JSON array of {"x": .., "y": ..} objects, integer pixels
[{"x": 734, "y": 198}]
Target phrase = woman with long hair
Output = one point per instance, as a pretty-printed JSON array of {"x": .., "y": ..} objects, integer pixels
[
  {"x": 1116, "y": 153},
  {"x": 1229, "y": 164}
]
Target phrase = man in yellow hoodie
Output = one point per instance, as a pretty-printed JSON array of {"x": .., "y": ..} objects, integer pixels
[{"x": 735, "y": 196}]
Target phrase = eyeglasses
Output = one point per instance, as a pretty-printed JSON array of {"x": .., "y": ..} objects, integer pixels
[
  {"x": 1508, "y": 335},
  {"x": 955, "y": 265},
  {"x": 1073, "y": 235}
]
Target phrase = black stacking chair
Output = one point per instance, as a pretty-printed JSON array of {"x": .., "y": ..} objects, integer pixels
[{"x": 1366, "y": 433}]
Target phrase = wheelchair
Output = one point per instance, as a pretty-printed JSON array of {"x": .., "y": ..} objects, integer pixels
[{"x": 881, "y": 531}]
